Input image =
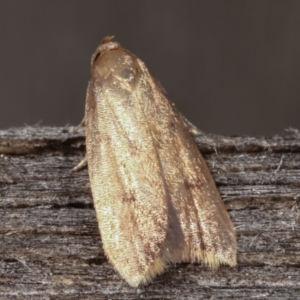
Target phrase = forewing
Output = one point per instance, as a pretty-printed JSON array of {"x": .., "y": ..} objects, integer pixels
[
  {"x": 200, "y": 227},
  {"x": 128, "y": 187}
]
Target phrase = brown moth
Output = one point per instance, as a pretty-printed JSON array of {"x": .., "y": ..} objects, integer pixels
[{"x": 155, "y": 199}]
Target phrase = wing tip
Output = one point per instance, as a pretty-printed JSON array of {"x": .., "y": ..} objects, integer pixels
[
  {"x": 210, "y": 259},
  {"x": 214, "y": 260},
  {"x": 157, "y": 267}
]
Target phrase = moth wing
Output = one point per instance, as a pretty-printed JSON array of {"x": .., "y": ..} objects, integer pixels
[
  {"x": 199, "y": 227},
  {"x": 129, "y": 193},
  {"x": 209, "y": 234},
  {"x": 154, "y": 196}
]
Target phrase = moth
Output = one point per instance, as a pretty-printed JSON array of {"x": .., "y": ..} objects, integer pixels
[{"x": 155, "y": 200}]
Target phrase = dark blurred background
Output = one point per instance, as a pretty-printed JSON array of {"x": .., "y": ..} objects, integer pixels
[{"x": 232, "y": 67}]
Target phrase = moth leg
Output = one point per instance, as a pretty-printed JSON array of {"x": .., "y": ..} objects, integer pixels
[
  {"x": 81, "y": 165},
  {"x": 190, "y": 126},
  {"x": 81, "y": 124}
]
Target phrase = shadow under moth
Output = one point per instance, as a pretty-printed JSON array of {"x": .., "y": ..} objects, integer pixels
[{"x": 155, "y": 199}]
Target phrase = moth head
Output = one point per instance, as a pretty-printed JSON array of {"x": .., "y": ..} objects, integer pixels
[
  {"x": 105, "y": 45},
  {"x": 112, "y": 62}
]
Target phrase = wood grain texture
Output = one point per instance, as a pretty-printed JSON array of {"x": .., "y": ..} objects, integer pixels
[{"x": 50, "y": 247}]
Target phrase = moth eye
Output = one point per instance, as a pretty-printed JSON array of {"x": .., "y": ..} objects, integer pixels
[
  {"x": 96, "y": 56},
  {"x": 127, "y": 74}
]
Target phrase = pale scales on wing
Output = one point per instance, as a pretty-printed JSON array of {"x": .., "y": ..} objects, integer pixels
[{"x": 155, "y": 199}]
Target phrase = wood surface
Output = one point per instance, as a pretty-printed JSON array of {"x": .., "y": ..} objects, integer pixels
[{"x": 50, "y": 247}]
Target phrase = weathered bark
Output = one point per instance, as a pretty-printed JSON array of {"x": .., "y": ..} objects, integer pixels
[{"x": 50, "y": 247}]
